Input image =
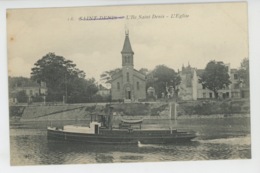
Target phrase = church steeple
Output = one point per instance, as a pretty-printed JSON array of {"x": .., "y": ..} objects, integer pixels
[
  {"x": 127, "y": 52},
  {"x": 127, "y": 45}
]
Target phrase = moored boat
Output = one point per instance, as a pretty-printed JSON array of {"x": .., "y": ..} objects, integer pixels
[
  {"x": 101, "y": 131},
  {"x": 96, "y": 135}
]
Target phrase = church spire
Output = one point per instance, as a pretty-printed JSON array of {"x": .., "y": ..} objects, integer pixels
[
  {"x": 127, "y": 45},
  {"x": 127, "y": 52},
  {"x": 126, "y": 32}
]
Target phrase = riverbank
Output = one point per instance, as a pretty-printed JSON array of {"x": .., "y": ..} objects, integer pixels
[{"x": 153, "y": 110}]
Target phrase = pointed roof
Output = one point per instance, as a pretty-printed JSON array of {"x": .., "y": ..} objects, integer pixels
[{"x": 127, "y": 45}]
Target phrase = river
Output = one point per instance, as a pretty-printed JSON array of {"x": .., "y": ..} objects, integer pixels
[{"x": 218, "y": 138}]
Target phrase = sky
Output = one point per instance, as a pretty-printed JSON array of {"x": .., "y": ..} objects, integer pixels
[{"x": 204, "y": 32}]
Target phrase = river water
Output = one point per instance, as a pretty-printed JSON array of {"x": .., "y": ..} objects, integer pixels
[{"x": 218, "y": 138}]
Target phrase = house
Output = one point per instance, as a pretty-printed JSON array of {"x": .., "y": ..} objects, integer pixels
[
  {"x": 103, "y": 91},
  {"x": 191, "y": 88},
  {"x": 32, "y": 89},
  {"x": 128, "y": 84}
]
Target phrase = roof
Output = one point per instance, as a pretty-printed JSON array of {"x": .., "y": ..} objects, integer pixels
[
  {"x": 127, "y": 45},
  {"x": 139, "y": 75},
  {"x": 116, "y": 75},
  {"x": 119, "y": 74},
  {"x": 30, "y": 83},
  {"x": 233, "y": 70},
  {"x": 101, "y": 87}
]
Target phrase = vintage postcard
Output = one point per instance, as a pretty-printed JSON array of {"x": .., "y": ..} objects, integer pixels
[{"x": 121, "y": 84}]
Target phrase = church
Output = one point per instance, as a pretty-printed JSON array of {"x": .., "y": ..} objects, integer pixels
[{"x": 128, "y": 84}]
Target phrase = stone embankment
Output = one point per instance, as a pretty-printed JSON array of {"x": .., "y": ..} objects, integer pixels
[{"x": 155, "y": 110}]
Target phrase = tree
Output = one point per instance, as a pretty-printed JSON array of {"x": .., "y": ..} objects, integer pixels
[
  {"x": 215, "y": 77},
  {"x": 21, "y": 97},
  {"x": 83, "y": 91},
  {"x": 162, "y": 77},
  {"x": 243, "y": 72},
  {"x": 106, "y": 76},
  {"x": 62, "y": 77},
  {"x": 144, "y": 71},
  {"x": 17, "y": 82}
]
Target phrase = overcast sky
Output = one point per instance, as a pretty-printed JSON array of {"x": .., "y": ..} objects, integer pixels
[{"x": 210, "y": 32}]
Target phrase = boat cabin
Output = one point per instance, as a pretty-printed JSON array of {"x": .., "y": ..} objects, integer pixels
[{"x": 92, "y": 129}]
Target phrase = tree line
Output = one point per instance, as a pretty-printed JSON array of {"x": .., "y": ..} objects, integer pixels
[{"x": 65, "y": 82}]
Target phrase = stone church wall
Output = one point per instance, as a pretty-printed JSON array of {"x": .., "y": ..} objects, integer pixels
[{"x": 117, "y": 93}]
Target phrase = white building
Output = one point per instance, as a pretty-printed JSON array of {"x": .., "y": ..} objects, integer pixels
[{"x": 191, "y": 89}]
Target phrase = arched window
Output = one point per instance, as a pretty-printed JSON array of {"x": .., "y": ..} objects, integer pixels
[
  {"x": 118, "y": 85},
  {"x": 127, "y": 77},
  {"x": 137, "y": 86},
  {"x": 126, "y": 59}
]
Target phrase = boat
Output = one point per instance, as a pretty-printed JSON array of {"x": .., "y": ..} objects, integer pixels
[{"x": 128, "y": 131}]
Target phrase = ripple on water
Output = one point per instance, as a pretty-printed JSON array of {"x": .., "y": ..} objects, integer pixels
[
  {"x": 242, "y": 140},
  {"x": 31, "y": 147}
]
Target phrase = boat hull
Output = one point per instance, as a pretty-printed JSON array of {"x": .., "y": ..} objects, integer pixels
[{"x": 123, "y": 136}]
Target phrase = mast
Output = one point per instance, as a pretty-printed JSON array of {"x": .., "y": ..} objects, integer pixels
[
  {"x": 170, "y": 116},
  {"x": 173, "y": 114}
]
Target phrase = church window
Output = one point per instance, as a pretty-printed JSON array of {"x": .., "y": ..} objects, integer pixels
[
  {"x": 137, "y": 85},
  {"x": 127, "y": 77},
  {"x": 118, "y": 85},
  {"x": 125, "y": 59}
]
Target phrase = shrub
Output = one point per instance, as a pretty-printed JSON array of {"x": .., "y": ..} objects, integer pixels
[
  {"x": 22, "y": 97},
  {"x": 37, "y": 99}
]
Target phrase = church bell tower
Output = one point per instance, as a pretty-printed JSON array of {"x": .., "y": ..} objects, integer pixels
[
  {"x": 128, "y": 68},
  {"x": 127, "y": 52}
]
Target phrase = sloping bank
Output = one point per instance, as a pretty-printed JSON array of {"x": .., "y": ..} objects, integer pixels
[{"x": 158, "y": 110}]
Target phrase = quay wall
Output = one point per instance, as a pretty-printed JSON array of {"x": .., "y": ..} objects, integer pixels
[{"x": 148, "y": 110}]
